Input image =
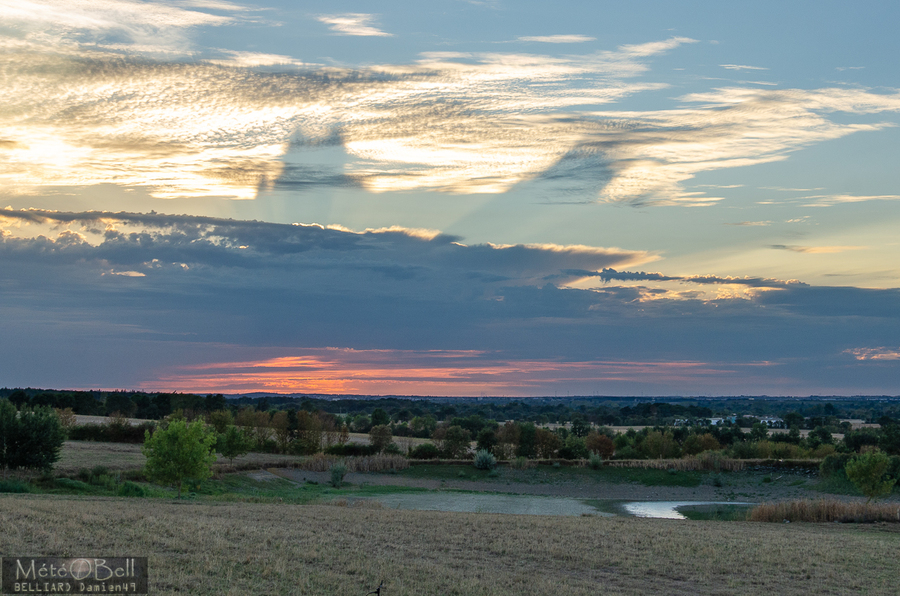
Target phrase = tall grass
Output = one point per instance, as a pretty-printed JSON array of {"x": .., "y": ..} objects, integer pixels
[
  {"x": 825, "y": 510},
  {"x": 710, "y": 461},
  {"x": 368, "y": 463}
]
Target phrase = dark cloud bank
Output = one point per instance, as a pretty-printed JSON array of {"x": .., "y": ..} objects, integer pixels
[{"x": 103, "y": 299}]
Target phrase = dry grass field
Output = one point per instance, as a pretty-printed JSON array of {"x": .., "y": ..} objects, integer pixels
[
  {"x": 126, "y": 456},
  {"x": 246, "y": 548}
]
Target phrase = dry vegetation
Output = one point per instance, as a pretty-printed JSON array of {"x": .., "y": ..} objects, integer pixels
[
  {"x": 825, "y": 510},
  {"x": 202, "y": 548}
]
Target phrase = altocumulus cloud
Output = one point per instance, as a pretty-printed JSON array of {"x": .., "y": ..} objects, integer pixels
[
  {"x": 156, "y": 300},
  {"x": 453, "y": 122}
]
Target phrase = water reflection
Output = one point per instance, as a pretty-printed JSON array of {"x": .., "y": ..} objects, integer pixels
[{"x": 667, "y": 509}]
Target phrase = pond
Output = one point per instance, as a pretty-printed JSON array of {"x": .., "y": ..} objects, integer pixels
[
  {"x": 667, "y": 509},
  {"x": 524, "y": 504}
]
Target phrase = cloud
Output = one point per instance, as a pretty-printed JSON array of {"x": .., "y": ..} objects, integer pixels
[
  {"x": 741, "y": 67},
  {"x": 751, "y": 223},
  {"x": 148, "y": 243},
  {"x": 610, "y": 274},
  {"x": 451, "y": 122},
  {"x": 358, "y": 24},
  {"x": 558, "y": 38},
  {"x": 816, "y": 249},
  {"x": 830, "y": 200},
  {"x": 68, "y": 24},
  {"x": 195, "y": 303},
  {"x": 424, "y": 372},
  {"x": 880, "y": 353}
]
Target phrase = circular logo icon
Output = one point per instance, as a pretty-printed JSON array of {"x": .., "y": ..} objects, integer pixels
[{"x": 80, "y": 569}]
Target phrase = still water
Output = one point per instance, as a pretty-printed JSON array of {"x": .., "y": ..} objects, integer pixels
[
  {"x": 526, "y": 505},
  {"x": 667, "y": 509}
]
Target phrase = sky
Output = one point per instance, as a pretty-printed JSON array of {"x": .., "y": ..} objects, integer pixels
[{"x": 455, "y": 197}]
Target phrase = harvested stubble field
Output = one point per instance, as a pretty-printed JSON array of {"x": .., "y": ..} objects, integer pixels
[{"x": 223, "y": 548}]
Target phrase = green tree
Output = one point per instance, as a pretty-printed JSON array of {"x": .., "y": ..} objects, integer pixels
[
  {"x": 31, "y": 438},
  {"x": 380, "y": 436},
  {"x": 380, "y": 417},
  {"x": 527, "y": 446},
  {"x": 759, "y": 431},
  {"x": 221, "y": 420},
  {"x": 867, "y": 472},
  {"x": 179, "y": 452},
  {"x": 233, "y": 443},
  {"x": 453, "y": 441},
  {"x": 8, "y": 431},
  {"x": 580, "y": 426}
]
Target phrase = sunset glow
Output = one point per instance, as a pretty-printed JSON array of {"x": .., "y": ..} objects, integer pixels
[{"x": 450, "y": 198}]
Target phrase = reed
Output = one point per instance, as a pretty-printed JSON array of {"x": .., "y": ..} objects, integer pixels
[{"x": 825, "y": 510}]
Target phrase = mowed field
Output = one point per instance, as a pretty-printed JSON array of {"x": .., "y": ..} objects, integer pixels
[{"x": 204, "y": 548}]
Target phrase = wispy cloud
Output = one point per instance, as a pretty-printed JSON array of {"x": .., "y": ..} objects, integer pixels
[
  {"x": 741, "y": 67},
  {"x": 558, "y": 38},
  {"x": 750, "y": 223},
  {"x": 880, "y": 353},
  {"x": 432, "y": 372},
  {"x": 451, "y": 122},
  {"x": 830, "y": 200},
  {"x": 816, "y": 249},
  {"x": 154, "y": 26},
  {"x": 358, "y": 24}
]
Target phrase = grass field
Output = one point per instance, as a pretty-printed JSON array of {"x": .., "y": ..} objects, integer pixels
[{"x": 246, "y": 548}]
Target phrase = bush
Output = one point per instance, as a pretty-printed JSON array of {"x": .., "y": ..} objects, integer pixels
[
  {"x": 573, "y": 448},
  {"x": 602, "y": 445},
  {"x": 30, "y": 439},
  {"x": 338, "y": 471},
  {"x": 834, "y": 464},
  {"x": 131, "y": 489},
  {"x": 178, "y": 452},
  {"x": 72, "y": 485},
  {"x": 380, "y": 437},
  {"x": 424, "y": 451},
  {"x": 595, "y": 461},
  {"x": 868, "y": 472},
  {"x": 520, "y": 463},
  {"x": 485, "y": 460},
  {"x": 112, "y": 432},
  {"x": 14, "y": 486},
  {"x": 232, "y": 443},
  {"x": 351, "y": 450}
]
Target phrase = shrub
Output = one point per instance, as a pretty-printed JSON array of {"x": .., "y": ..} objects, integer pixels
[
  {"x": 454, "y": 441},
  {"x": 178, "y": 452},
  {"x": 595, "y": 461},
  {"x": 14, "y": 486},
  {"x": 573, "y": 448},
  {"x": 338, "y": 471},
  {"x": 380, "y": 436},
  {"x": 520, "y": 463},
  {"x": 834, "y": 464},
  {"x": 424, "y": 451},
  {"x": 232, "y": 443},
  {"x": 73, "y": 485},
  {"x": 485, "y": 460},
  {"x": 867, "y": 472},
  {"x": 602, "y": 445},
  {"x": 351, "y": 450},
  {"x": 30, "y": 439},
  {"x": 112, "y": 432},
  {"x": 131, "y": 489}
]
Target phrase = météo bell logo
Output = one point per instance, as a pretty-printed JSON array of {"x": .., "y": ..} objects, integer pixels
[{"x": 74, "y": 575}]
